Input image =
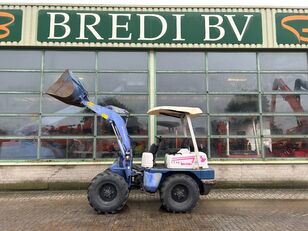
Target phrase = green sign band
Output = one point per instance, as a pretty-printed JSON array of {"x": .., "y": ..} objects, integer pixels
[
  {"x": 10, "y": 25},
  {"x": 149, "y": 27},
  {"x": 292, "y": 28}
]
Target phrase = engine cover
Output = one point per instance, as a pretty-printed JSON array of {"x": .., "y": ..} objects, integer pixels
[{"x": 185, "y": 159}]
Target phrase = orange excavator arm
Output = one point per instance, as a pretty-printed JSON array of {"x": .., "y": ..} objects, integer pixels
[{"x": 293, "y": 101}]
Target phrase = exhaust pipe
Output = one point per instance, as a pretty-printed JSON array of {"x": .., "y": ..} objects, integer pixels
[{"x": 68, "y": 89}]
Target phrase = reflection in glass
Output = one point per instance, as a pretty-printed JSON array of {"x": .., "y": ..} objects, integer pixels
[
  {"x": 122, "y": 60},
  {"x": 180, "y": 82},
  {"x": 286, "y": 125},
  {"x": 21, "y": 81},
  {"x": 73, "y": 60},
  {"x": 123, "y": 82},
  {"x": 19, "y": 126},
  {"x": 288, "y": 80},
  {"x": 283, "y": 61},
  {"x": 233, "y": 103},
  {"x": 52, "y": 105},
  {"x": 66, "y": 148},
  {"x": 233, "y": 82},
  {"x": 20, "y": 150},
  {"x": 134, "y": 104},
  {"x": 229, "y": 61},
  {"x": 73, "y": 125},
  {"x": 136, "y": 125},
  {"x": 19, "y": 103},
  {"x": 17, "y": 59},
  {"x": 171, "y": 145},
  {"x": 242, "y": 126},
  {"x": 172, "y": 126},
  {"x": 108, "y": 148},
  {"x": 286, "y": 103},
  {"x": 182, "y": 100},
  {"x": 87, "y": 79},
  {"x": 180, "y": 61},
  {"x": 235, "y": 147},
  {"x": 286, "y": 147}
]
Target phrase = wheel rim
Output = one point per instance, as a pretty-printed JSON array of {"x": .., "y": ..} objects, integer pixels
[
  {"x": 108, "y": 192},
  {"x": 179, "y": 193}
]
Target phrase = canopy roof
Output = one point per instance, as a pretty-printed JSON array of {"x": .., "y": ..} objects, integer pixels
[{"x": 175, "y": 111}]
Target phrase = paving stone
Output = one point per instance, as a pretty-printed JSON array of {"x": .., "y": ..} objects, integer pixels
[{"x": 222, "y": 209}]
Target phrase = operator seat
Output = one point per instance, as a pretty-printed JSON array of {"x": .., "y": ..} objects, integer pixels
[{"x": 153, "y": 149}]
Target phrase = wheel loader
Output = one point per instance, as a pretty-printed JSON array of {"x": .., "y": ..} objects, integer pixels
[{"x": 184, "y": 175}]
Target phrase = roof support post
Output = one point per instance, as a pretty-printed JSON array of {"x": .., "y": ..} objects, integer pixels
[{"x": 193, "y": 137}]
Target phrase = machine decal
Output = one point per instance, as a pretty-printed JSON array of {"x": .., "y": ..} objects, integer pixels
[
  {"x": 105, "y": 116},
  {"x": 90, "y": 104}
]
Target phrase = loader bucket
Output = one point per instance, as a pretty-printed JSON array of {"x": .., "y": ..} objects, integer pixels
[{"x": 68, "y": 89}]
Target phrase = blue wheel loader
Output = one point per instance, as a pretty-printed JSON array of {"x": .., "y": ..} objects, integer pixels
[{"x": 180, "y": 180}]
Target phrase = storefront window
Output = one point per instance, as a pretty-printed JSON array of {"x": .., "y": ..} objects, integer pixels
[
  {"x": 277, "y": 61},
  {"x": 283, "y": 82},
  {"x": 233, "y": 104},
  {"x": 73, "y": 60},
  {"x": 288, "y": 103},
  {"x": 286, "y": 125},
  {"x": 19, "y": 149},
  {"x": 232, "y": 61},
  {"x": 182, "y": 100},
  {"x": 88, "y": 80},
  {"x": 180, "y": 61},
  {"x": 122, "y": 60},
  {"x": 109, "y": 148},
  {"x": 19, "y": 103},
  {"x": 123, "y": 82},
  {"x": 170, "y": 126},
  {"x": 20, "y": 59},
  {"x": 233, "y": 82},
  {"x": 181, "y": 82},
  {"x": 241, "y": 147},
  {"x": 254, "y": 103},
  {"x": 284, "y": 147},
  {"x": 26, "y": 81},
  {"x": 19, "y": 125},
  {"x": 67, "y": 125},
  {"x": 66, "y": 148}
]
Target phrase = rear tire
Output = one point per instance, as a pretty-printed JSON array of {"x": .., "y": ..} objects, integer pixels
[
  {"x": 179, "y": 193},
  {"x": 108, "y": 192}
]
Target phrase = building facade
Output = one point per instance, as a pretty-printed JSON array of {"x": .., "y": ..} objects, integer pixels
[{"x": 246, "y": 68}]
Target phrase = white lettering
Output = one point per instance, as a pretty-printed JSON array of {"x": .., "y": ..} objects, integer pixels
[
  {"x": 90, "y": 26},
  {"x": 178, "y": 18},
  {"x": 163, "y": 29},
  {"x": 239, "y": 35},
  {"x": 115, "y": 27},
  {"x": 208, "y": 26},
  {"x": 53, "y": 24}
]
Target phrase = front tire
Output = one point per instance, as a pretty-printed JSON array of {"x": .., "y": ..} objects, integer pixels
[
  {"x": 108, "y": 192},
  {"x": 179, "y": 193}
]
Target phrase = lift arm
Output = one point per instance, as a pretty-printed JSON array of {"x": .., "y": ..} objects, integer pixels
[{"x": 117, "y": 123}]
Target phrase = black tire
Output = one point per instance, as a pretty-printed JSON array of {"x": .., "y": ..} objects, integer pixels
[
  {"x": 108, "y": 192},
  {"x": 179, "y": 193}
]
